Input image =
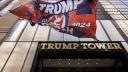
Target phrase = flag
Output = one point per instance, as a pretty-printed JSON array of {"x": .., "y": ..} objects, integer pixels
[
  {"x": 74, "y": 17},
  {"x": 28, "y": 11}
]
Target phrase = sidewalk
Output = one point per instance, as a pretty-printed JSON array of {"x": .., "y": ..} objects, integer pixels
[{"x": 8, "y": 20}]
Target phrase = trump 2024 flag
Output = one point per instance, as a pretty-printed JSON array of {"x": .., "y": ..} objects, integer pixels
[{"x": 74, "y": 17}]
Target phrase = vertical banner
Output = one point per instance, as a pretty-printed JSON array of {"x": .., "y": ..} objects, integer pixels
[{"x": 74, "y": 17}]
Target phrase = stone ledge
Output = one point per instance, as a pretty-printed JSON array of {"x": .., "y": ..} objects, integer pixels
[{"x": 4, "y": 4}]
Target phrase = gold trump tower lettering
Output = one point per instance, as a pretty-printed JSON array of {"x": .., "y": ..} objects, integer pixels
[{"x": 92, "y": 46}]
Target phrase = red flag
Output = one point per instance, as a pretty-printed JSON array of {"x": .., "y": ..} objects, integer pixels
[
  {"x": 75, "y": 17},
  {"x": 84, "y": 23},
  {"x": 28, "y": 11}
]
